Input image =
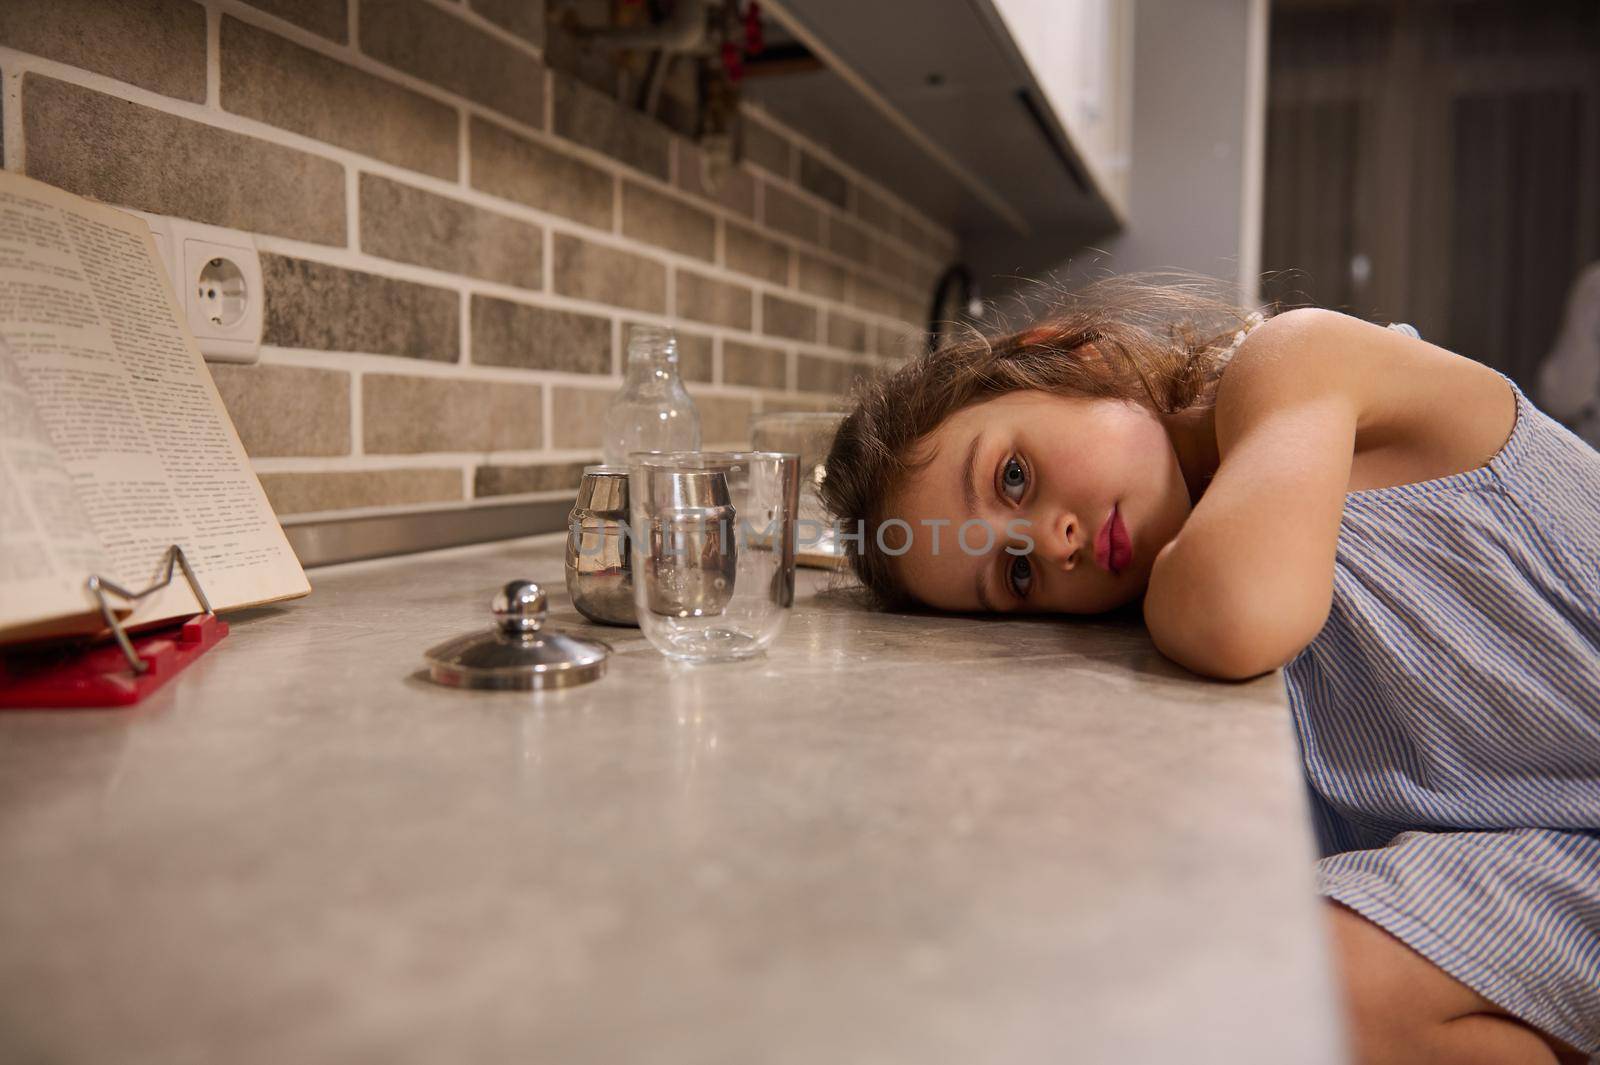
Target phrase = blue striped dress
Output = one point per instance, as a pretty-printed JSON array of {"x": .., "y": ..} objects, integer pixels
[{"x": 1448, "y": 721}]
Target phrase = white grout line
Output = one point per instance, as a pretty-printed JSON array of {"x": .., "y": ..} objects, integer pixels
[
  {"x": 352, "y": 209},
  {"x": 11, "y": 114},
  {"x": 461, "y": 11},
  {"x": 547, "y": 427},
  {"x": 213, "y": 57},
  {"x": 357, "y": 444}
]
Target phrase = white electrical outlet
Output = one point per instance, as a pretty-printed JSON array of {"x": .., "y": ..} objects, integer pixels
[{"x": 217, "y": 275}]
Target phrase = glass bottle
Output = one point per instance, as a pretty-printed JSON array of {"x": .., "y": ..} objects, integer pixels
[{"x": 653, "y": 411}]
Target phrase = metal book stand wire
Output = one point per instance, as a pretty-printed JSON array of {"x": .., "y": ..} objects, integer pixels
[{"x": 100, "y": 587}]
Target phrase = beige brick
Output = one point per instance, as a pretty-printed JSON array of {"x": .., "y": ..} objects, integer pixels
[
  {"x": 121, "y": 153},
  {"x": 521, "y": 17},
  {"x": 667, "y": 222},
  {"x": 406, "y": 415},
  {"x": 749, "y": 252},
  {"x": 267, "y": 78},
  {"x": 577, "y": 416},
  {"x": 898, "y": 342},
  {"x": 588, "y": 271},
  {"x": 329, "y": 308},
  {"x": 304, "y": 493},
  {"x": 694, "y": 356},
  {"x": 513, "y": 167},
  {"x": 787, "y": 213},
  {"x": 817, "y": 374},
  {"x": 846, "y": 332},
  {"x": 596, "y": 121},
  {"x": 515, "y": 480},
  {"x": 410, "y": 225},
  {"x": 724, "y": 420},
  {"x": 766, "y": 147},
  {"x": 286, "y": 410},
  {"x": 786, "y": 318},
  {"x": 889, "y": 263},
  {"x": 706, "y": 299},
  {"x": 694, "y": 352},
  {"x": 874, "y": 210},
  {"x": 928, "y": 239},
  {"x": 538, "y": 338},
  {"x": 848, "y": 239},
  {"x": 727, "y": 185},
  {"x": 329, "y": 18},
  {"x": 869, "y": 294},
  {"x": 436, "y": 46},
  {"x": 820, "y": 179},
  {"x": 158, "y": 45},
  {"x": 776, "y": 401},
  {"x": 755, "y": 366},
  {"x": 819, "y": 277}
]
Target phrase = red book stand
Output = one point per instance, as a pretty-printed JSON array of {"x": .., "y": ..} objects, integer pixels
[{"x": 55, "y": 677}]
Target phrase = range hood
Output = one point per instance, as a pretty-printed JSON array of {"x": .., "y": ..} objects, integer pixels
[{"x": 934, "y": 99}]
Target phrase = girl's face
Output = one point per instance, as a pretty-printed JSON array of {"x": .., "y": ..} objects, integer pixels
[{"x": 1033, "y": 466}]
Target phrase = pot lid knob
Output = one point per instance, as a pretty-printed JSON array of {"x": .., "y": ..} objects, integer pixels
[{"x": 519, "y": 607}]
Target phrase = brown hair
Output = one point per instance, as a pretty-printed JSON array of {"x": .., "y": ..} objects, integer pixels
[{"x": 1151, "y": 339}]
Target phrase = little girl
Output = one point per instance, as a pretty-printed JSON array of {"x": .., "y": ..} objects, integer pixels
[{"x": 1397, "y": 527}]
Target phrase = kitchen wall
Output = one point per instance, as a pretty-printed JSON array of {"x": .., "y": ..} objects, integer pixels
[
  {"x": 1195, "y": 144},
  {"x": 454, "y": 238}
]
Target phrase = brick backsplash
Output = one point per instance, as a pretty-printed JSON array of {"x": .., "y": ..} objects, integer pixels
[
  {"x": 538, "y": 338},
  {"x": 540, "y": 175},
  {"x": 456, "y": 239},
  {"x": 110, "y": 149},
  {"x": 410, "y": 225},
  {"x": 328, "y": 308},
  {"x": 268, "y": 78},
  {"x": 602, "y": 274},
  {"x": 330, "y": 18},
  {"x": 155, "y": 44},
  {"x": 786, "y": 318}
]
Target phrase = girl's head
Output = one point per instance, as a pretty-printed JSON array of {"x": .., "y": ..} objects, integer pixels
[{"x": 1039, "y": 470}]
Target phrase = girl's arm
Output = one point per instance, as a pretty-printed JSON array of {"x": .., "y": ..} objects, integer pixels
[{"x": 1248, "y": 581}]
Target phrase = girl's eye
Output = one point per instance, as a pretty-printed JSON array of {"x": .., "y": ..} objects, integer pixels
[
  {"x": 1021, "y": 577},
  {"x": 1013, "y": 480}
]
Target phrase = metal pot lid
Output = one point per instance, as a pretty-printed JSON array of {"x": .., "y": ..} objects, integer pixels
[{"x": 518, "y": 653}]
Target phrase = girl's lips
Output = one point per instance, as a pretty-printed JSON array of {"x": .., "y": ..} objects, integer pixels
[{"x": 1113, "y": 547}]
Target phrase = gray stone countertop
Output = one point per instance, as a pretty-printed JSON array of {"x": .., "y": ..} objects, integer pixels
[{"x": 890, "y": 839}]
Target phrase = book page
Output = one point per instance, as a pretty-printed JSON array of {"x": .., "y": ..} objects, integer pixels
[
  {"x": 46, "y": 541},
  {"x": 129, "y": 406}
]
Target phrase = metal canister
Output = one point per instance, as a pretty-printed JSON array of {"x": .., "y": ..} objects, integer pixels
[
  {"x": 599, "y": 557},
  {"x": 689, "y": 543}
]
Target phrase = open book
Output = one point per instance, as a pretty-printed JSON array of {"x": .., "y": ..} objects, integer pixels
[{"x": 114, "y": 443}]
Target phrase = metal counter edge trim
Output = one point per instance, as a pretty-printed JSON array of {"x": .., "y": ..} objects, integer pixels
[{"x": 324, "y": 543}]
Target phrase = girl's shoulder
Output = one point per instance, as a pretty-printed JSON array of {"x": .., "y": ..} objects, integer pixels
[{"x": 1422, "y": 412}]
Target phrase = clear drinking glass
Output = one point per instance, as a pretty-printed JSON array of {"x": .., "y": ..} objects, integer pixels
[
  {"x": 810, "y": 435},
  {"x": 713, "y": 549}
]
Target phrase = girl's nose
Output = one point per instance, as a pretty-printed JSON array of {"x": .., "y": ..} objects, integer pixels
[{"x": 1062, "y": 543}]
